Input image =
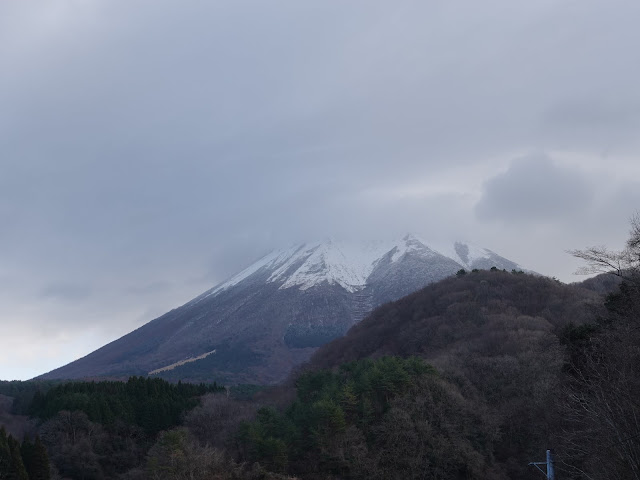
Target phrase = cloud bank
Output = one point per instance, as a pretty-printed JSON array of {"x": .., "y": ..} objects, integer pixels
[{"x": 151, "y": 149}]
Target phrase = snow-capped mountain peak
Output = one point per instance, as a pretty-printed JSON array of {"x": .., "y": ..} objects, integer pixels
[{"x": 349, "y": 264}]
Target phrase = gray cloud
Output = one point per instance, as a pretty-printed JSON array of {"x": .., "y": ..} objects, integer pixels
[
  {"x": 612, "y": 214},
  {"x": 535, "y": 189},
  {"x": 66, "y": 292},
  {"x": 149, "y": 289},
  {"x": 150, "y": 151}
]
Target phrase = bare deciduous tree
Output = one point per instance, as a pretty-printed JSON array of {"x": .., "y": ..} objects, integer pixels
[{"x": 624, "y": 263}]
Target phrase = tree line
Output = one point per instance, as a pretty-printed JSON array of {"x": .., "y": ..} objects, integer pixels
[
  {"x": 93, "y": 430},
  {"x": 150, "y": 403}
]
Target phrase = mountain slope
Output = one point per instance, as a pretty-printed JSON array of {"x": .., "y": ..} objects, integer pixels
[{"x": 273, "y": 315}]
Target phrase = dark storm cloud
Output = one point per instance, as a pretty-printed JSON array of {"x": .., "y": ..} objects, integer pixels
[{"x": 534, "y": 189}]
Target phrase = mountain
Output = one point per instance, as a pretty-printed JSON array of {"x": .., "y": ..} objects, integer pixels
[{"x": 273, "y": 315}]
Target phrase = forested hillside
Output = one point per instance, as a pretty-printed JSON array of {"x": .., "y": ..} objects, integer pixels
[
  {"x": 519, "y": 364},
  {"x": 472, "y": 315},
  {"x": 497, "y": 343},
  {"x": 374, "y": 419}
]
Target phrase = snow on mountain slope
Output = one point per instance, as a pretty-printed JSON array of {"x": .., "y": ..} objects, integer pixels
[
  {"x": 343, "y": 264},
  {"x": 348, "y": 264}
]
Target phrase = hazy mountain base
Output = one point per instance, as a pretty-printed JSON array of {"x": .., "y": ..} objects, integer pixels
[{"x": 246, "y": 327}]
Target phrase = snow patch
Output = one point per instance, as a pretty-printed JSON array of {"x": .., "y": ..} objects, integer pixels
[{"x": 181, "y": 362}]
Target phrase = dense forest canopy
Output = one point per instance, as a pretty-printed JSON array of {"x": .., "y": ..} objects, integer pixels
[
  {"x": 150, "y": 403},
  {"x": 95, "y": 429},
  {"x": 385, "y": 418}
]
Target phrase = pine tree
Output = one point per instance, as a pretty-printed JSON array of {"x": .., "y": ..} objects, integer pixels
[
  {"x": 16, "y": 467},
  {"x": 37, "y": 460},
  {"x": 26, "y": 451},
  {"x": 5, "y": 454}
]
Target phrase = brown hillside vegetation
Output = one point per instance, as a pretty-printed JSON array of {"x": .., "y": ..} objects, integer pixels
[
  {"x": 494, "y": 336},
  {"x": 490, "y": 313},
  {"x": 16, "y": 425}
]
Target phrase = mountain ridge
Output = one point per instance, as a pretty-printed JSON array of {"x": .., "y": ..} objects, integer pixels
[
  {"x": 275, "y": 313},
  {"x": 351, "y": 273}
]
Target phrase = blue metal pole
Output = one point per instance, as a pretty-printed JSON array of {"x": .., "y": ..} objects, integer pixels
[{"x": 550, "y": 470}]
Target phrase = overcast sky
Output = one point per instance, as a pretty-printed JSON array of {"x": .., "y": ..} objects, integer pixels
[{"x": 149, "y": 149}]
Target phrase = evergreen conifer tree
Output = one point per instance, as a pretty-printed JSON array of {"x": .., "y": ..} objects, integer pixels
[
  {"x": 5, "y": 454},
  {"x": 26, "y": 451},
  {"x": 16, "y": 467},
  {"x": 37, "y": 461}
]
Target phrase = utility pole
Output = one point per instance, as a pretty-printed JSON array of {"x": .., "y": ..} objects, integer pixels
[{"x": 550, "y": 471}]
